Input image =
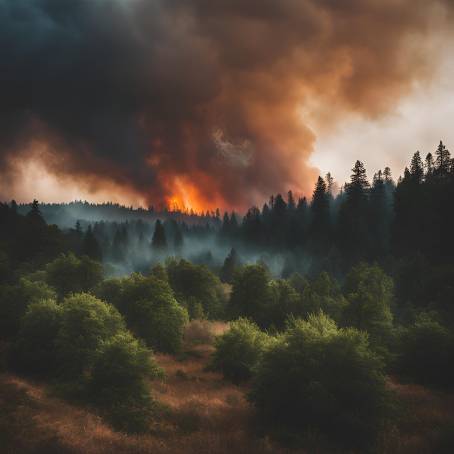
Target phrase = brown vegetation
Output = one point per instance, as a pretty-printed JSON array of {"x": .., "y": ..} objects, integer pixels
[{"x": 199, "y": 412}]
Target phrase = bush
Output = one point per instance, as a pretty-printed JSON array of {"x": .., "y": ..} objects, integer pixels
[
  {"x": 252, "y": 295},
  {"x": 111, "y": 291},
  {"x": 370, "y": 294},
  {"x": 323, "y": 294},
  {"x": 117, "y": 383},
  {"x": 238, "y": 351},
  {"x": 426, "y": 352},
  {"x": 35, "y": 351},
  {"x": 86, "y": 323},
  {"x": 71, "y": 274},
  {"x": 284, "y": 303},
  {"x": 197, "y": 285},
  {"x": 319, "y": 379},
  {"x": 14, "y": 300},
  {"x": 152, "y": 312}
]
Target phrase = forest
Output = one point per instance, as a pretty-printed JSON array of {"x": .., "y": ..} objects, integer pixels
[{"x": 323, "y": 324}]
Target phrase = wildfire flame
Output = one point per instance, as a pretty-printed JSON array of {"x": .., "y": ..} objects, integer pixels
[{"x": 184, "y": 196}]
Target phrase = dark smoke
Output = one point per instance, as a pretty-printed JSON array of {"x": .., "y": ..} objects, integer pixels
[{"x": 162, "y": 95}]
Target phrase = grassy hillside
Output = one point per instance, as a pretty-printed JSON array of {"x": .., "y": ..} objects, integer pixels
[{"x": 200, "y": 413}]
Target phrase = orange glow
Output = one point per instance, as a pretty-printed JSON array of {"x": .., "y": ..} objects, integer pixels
[
  {"x": 184, "y": 196},
  {"x": 33, "y": 179}
]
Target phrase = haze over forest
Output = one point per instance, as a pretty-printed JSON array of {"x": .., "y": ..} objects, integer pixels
[{"x": 226, "y": 226}]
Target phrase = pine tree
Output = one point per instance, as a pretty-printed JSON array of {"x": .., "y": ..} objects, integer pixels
[
  {"x": 279, "y": 207},
  {"x": 13, "y": 206},
  {"x": 233, "y": 222},
  {"x": 387, "y": 175},
  {"x": 78, "y": 228},
  {"x": 320, "y": 224},
  {"x": 358, "y": 180},
  {"x": 90, "y": 246},
  {"x": 319, "y": 205},
  {"x": 35, "y": 215},
  {"x": 252, "y": 226},
  {"x": 429, "y": 165},
  {"x": 265, "y": 212},
  {"x": 442, "y": 159},
  {"x": 290, "y": 201},
  {"x": 231, "y": 263},
  {"x": 380, "y": 216},
  {"x": 377, "y": 179},
  {"x": 417, "y": 168},
  {"x": 329, "y": 184},
  {"x": 159, "y": 241},
  {"x": 353, "y": 216}
]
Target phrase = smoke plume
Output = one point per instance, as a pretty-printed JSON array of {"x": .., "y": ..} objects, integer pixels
[{"x": 198, "y": 102}]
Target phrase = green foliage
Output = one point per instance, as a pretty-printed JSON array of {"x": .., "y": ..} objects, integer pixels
[
  {"x": 34, "y": 351},
  {"x": 238, "y": 351},
  {"x": 426, "y": 350},
  {"x": 90, "y": 246},
  {"x": 251, "y": 294},
  {"x": 84, "y": 343},
  {"x": 5, "y": 266},
  {"x": 427, "y": 286},
  {"x": 370, "y": 294},
  {"x": 285, "y": 302},
  {"x": 86, "y": 323},
  {"x": 197, "y": 284},
  {"x": 298, "y": 282},
  {"x": 70, "y": 274},
  {"x": 270, "y": 303},
  {"x": 111, "y": 291},
  {"x": 353, "y": 220},
  {"x": 322, "y": 294},
  {"x": 319, "y": 379},
  {"x": 14, "y": 300},
  {"x": 117, "y": 382},
  {"x": 159, "y": 272},
  {"x": 231, "y": 263},
  {"x": 150, "y": 309}
]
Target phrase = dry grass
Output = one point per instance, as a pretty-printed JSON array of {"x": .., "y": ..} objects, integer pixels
[
  {"x": 201, "y": 413},
  {"x": 203, "y": 332},
  {"x": 198, "y": 332},
  {"x": 427, "y": 422}
]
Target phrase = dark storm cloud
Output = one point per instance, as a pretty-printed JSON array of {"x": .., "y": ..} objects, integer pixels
[{"x": 149, "y": 93}]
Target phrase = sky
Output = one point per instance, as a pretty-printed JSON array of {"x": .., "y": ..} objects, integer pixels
[{"x": 202, "y": 104}]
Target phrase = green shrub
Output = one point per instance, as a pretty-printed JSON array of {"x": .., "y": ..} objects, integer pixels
[
  {"x": 14, "y": 300},
  {"x": 238, "y": 351},
  {"x": 111, "y": 291},
  {"x": 319, "y": 379},
  {"x": 86, "y": 323},
  {"x": 369, "y": 292},
  {"x": 252, "y": 295},
  {"x": 152, "y": 312},
  {"x": 159, "y": 272},
  {"x": 197, "y": 285},
  {"x": 323, "y": 294},
  {"x": 35, "y": 351},
  {"x": 426, "y": 352},
  {"x": 71, "y": 274},
  {"x": 117, "y": 383},
  {"x": 284, "y": 303}
]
